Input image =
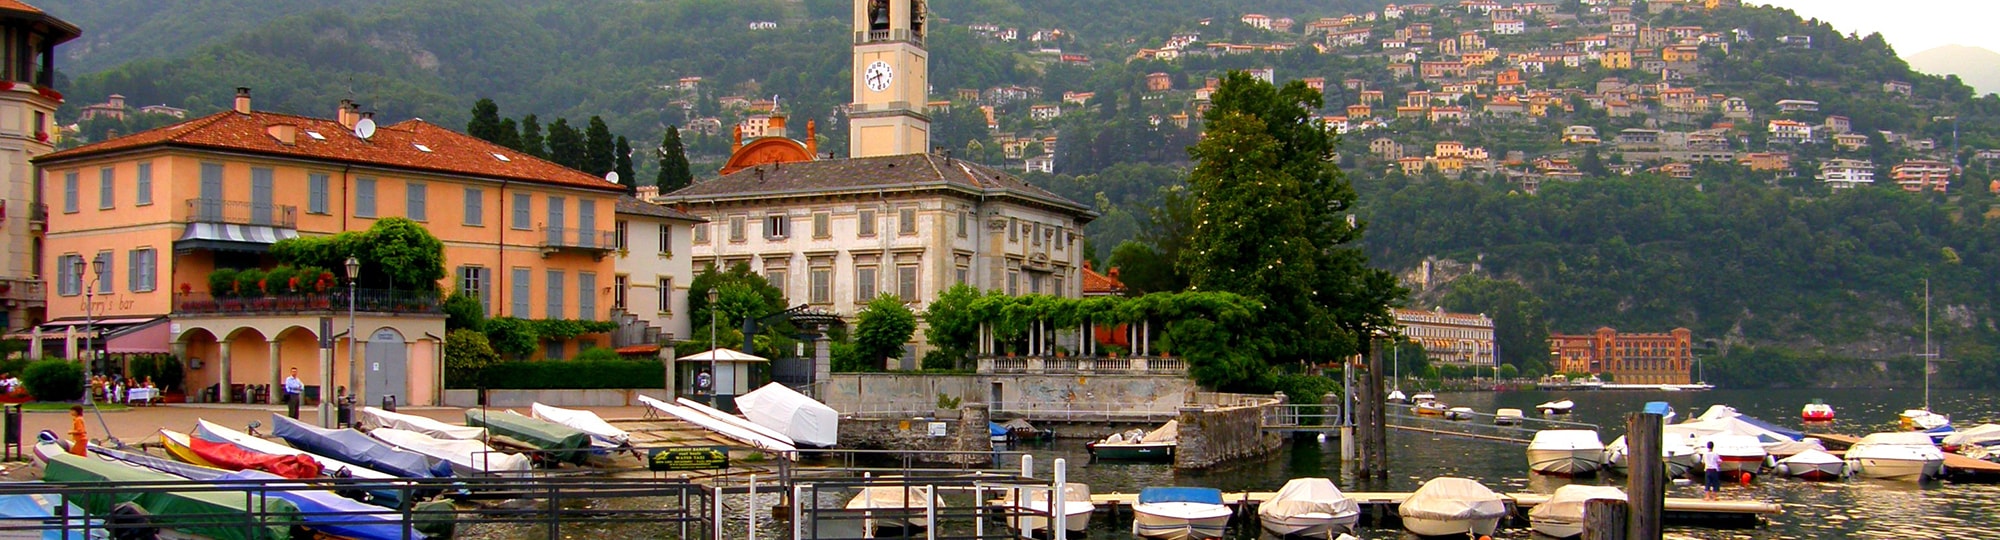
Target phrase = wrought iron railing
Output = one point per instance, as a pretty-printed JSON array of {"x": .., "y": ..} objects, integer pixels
[
  {"x": 241, "y": 213},
  {"x": 368, "y": 300},
  {"x": 586, "y": 239}
]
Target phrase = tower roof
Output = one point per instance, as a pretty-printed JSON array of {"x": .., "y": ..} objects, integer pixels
[{"x": 61, "y": 30}]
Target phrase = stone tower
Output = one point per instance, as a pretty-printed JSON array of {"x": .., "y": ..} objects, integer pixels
[{"x": 891, "y": 79}]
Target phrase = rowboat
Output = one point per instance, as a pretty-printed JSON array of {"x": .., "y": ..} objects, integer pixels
[
  {"x": 354, "y": 447},
  {"x": 1179, "y": 513},
  {"x": 602, "y": 433}
]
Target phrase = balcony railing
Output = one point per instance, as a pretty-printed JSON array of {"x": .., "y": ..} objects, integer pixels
[
  {"x": 592, "y": 241},
  {"x": 1102, "y": 365},
  {"x": 368, "y": 300},
  {"x": 241, "y": 213},
  {"x": 23, "y": 290},
  {"x": 38, "y": 216}
]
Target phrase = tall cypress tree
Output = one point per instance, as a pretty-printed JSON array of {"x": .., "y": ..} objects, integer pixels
[
  {"x": 598, "y": 147},
  {"x": 531, "y": 137},
  {"x": 485, "y": 123},
  {"x": 674, "y": 173},
  {"x": 509, "y": 135},
  {"x": 623, "y": 166},
  {"x": 566, "y": 145}
]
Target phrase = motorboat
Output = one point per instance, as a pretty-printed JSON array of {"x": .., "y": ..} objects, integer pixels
[
  {"x": 354, "y": 447},
  {"x": 1032, "y": 515},
  {"x": 1740, "y": 454},
  {"x": 1310, "y": 508},
  {"x": 1421, "y": 397},
  {"x": 467, "y": 457},
  {"x": 1814, "y": 465},
  {"x": 996, "y": 432},
  {"x": 809, "y": 423},
  {"x": 553, "y": 442},
  {"x": 1895, "y": 456},
  {"x": 1937, "y": 426},
  {"x": 1676, "y": 452},
  {"x": 210, "y": 514},
  {"x": 1556, "y": 407},
  {"x": 1779, "y": 442},
  {"x": 1561, "y": 516},
  {"x": 602, "y": 433},
  {"x": 1396, "y": 396},
  {"x": 1986, "y": 435},
  {"x": 1817, "y": 411},
  {"x": 1508, "y": 417},
  {"x": 1134, "y": 445},
  {"x": 1430, "y": 407},
  {"x": 1459, "y": 413},
  {"x": 1565, "y": 452},
  {"x": 1451, "y": 506},
  {"x": 1019, "y": 430},
  {"x": 1179, "y": 513},
  {"x": 1590, "y": 383},
  {"x": 1662, "y": 408},
  {"x": 741, "y": 433},
  {"x": 893, "y": 511},
  {"x": 375, "y": 418}
]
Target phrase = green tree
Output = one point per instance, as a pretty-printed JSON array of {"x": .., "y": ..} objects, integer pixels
[
  {"x": 741, "y": 294},
  {"x": 466, "y": 351},
  {"x": 674, "y": 170},
  {"x": 952, "y": 325},
  {"x": 54, "y": 379},
  {"x": 513, "y": 337},
  {"x": 485, "y": 123},
  {"x": 566, "y": 146},
  {"x": 1272, "y": 222},
  {"x": 407, "y": 253},
  {"x": 464, "y": 311},
  {"x": 1519, "y": 328},
  {"x": 622, "y": 164},
  {"x": 599, "y": 148},
  {"x": 531, "y": 137},
  {"x": 883, "y": 326},
  {"x": 510, "y": 134}
]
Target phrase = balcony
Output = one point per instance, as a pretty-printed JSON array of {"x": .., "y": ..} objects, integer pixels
[
  {"x": 593, "y": 242},
  {"x": 226, "y": 212},
  {"x": 1082, "y": 365},
  {"x": 222, "y": 225},
  {"x": 38, "y": 217},
  {"x": 365, "y": 300},
  {"x": 22, "y": 292}
]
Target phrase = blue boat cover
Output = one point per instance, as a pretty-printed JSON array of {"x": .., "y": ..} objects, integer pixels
[
  {"x": 326, "y": 512},
  {"x": 354, "y": 447},
  {"x": 994, "y": 429},
  {"x": 36, "y": 510},
  {"x": 1794, "y": 434},
  {"x": 1180, "y": 494},
  {"x": 1660, "y": 408}
]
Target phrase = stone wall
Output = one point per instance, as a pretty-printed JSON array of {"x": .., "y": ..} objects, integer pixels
[
  {"x": 968, "y": 433},
  {"x": 1035, "y": 396},
  {"x": 1213, "y": 435},
  {"x": 561, "y": 398}
]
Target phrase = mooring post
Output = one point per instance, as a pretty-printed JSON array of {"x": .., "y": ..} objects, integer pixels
[
  {"x": 1375, "y": 433},
  {"x": 752, "y": 507},
  {"x": 1646, "y": 486},
  {"x": 1057, "y": 514},
  {"x": 1605, "y": 519}
]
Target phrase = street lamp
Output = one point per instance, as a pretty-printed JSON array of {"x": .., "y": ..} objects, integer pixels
[
  {"x": 89, "y": 318},
  {"x": 353, "y": 371},
  {"x": 714, "y": 294}
]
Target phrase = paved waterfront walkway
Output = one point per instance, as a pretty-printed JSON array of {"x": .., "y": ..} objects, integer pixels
[{"x": 140, "y": 424}]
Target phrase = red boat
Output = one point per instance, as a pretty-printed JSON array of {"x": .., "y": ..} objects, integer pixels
[
  {"x": 236, "y": 458},
  {"x": 1817, "y": 411}
]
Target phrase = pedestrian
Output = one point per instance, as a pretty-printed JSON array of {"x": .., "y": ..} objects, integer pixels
[
  {"x": 293, "y": 387},
  {"x": 1711, "y": 469},
  {"x": 79, "y": 437}
]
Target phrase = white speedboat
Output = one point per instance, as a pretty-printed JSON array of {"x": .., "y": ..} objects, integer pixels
[
  {"x": 1396, "y": 396},
  {"x": 1556, "y": 407},
  {"x": 1817, "y": 411},
  {"x": 1562, "y": 515},
  {"x": 1565, "y": 452},
  {"x": 1922, "y": 420},
  {"x": 1309, "y": 507},
  {"x": 1138, "y": 445},
  {"x": 1741, "y": 454},
  {"x": 1508, "y": 417},
  {"x": 1449, "y": 506},
  {"x": 1179, "y": 513},
  {"x": 1987, "y": 435},
  {"x": 893, "y": 510},
  {"x": 1032, "y": 515},
  {"x": 1680, "y": 457},
  {"x": 1459, "y": 413},
  {"x": 1895, "y": 456},
  {"x": 1430, "y": 407},
  {"x": 1814, "y": 465}
]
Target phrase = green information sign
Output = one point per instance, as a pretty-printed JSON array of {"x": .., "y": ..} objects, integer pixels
[{"x": 694, "y": 458}]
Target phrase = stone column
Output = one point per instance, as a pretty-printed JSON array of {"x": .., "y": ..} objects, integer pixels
[
  {"x": 326, "y": 419},
  {"x": 822, "y": 364},
  {"x": 973, "y": 435},
  {"x": 222, "y": 386},
  {"x": 277, "y": 392}
]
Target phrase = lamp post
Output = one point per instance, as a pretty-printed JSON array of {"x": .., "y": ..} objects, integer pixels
[
  {"x": 714, "y": 294},
  {"x": 353, "y": 371},
  {"x": 89, "y": 319}
]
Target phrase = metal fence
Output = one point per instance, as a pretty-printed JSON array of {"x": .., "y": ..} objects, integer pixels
[{"x": 964, "y": 507}]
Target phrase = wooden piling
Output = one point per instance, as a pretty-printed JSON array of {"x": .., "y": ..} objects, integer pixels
[
  {"x": 1374, "y": 425},
  {"x": 1646, "y": 485},
  {"x": 1605, "y": 519}
]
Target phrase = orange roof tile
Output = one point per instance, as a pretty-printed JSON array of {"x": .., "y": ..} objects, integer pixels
[
  {"x": 412, "y": 145},
  {"x": 1095, "y": 284}
]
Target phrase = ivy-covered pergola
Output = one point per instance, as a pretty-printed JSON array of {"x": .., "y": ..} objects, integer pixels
[{"x": 1192, "y": 322}]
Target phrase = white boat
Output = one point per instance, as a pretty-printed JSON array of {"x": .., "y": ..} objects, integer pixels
[
  {"x": 1179, "y": 513},
  {"x": 1987, "y": 435},
  {"x": 1562, "y": 515},
  {"x": 1565, "y": 452},
  {"x": 1459, "y": 413},
  {"x": 1396, "y": 396},
  {"x": 1556, "y": 407},
  {"x": 468, "y": 456},
  {"x": 1817, "y": 411},
  {"x": 1031, "y": 515},
  {"x": 1424, "y": 396},
  {"x": 1591, "y": 383},
  {"x": 1895, "y": 456},
  {"x": 726, "y": 429},
  {"x": 1778, "y": 442},
  {"x": 374, "y": 418},
  {"x": 1508, "y": 417},
  {"x": 734, "y": 420},
  {"x": 1814, "y": 465},
  {"x": 1156, "y": 445},
  {"x": 1937, "y": 426},
  {"x": 1678, "y": 453},
  {"x": 1309, "y": 507},
  {"x": 602, "y": 433},
  {"x": 1430, "y": 407},
  {"x": 1452, "y": 506},
  {"x": 892, "y": 511},
  {"x": 1741, "y": 454},
  {"x": 804, "y": 419}
]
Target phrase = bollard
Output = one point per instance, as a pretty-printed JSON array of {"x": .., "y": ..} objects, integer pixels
[
  {"x": 1056, "y": 527},
  {"x": 12, "y": 435},
  {"x": 752, "y": 507},
  {"x": 1027, "y": 465},
  {"x": 389, "y": 402}
]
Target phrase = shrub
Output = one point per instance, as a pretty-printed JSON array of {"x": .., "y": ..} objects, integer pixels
[
  {"x": 222, "y": 282},
  {"x": 597, "y": 354},
  {"x": 943, "y": 359},
  {"x": 512, "y": 337},
  {"x": 54, "y": 379},
  {"x": 170, "y": 374},
  {"x": 16, "y": 366},
  {"x": 576, "y": 374},
  {"x": 140, "y": 367},
  {"x": 885, "y": 325},
  {"x": 466, "y": 353},
  {"x": 464, "y": 311}
]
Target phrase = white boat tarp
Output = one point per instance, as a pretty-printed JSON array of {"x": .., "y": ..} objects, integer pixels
[
  {"x": 1733, "y": 445},
  {"x": 726, "y": 429},
  {"x": 1302, "y": 496},
  {"x": 471, "y": 454},
  {"x": 734, "y": 420},
  {"x": 1896, "y": 438},
  {"x": 1168, "y": 432},
  {"x": 1562, "y": 405},
  {"x": 1720, "y": 420},
  {"x": 601, "y": 432},
  {"x": 1565, "y": 439},
  {"x": 804, "y": 419},
  {"x": 1450, "y": 498},
  {"x": 374, "y": 418},
  {"x": 1567, "y": 502},
  {"x": 1811, "y": 457},
  {"x": 1017, "y": 423},
  {"x": 1980, "y": 435}
]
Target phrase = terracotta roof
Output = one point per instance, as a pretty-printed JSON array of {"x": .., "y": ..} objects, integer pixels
[
  {"x": 1095, "y": 284},
  {"x": 628, "y": 204},
  {"x": 868, "y": 175},
  {"x": 635, "y": 350},
  {"x": 412, "y": 144}
]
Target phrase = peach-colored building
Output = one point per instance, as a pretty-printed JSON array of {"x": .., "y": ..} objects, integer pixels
[{"x": 156, "y": 212}]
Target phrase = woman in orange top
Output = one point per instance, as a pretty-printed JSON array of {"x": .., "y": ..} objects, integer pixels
[{"x": 79, "y": 438}]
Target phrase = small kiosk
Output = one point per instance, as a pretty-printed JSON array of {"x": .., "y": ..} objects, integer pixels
[{"x": 717, "y": 376}]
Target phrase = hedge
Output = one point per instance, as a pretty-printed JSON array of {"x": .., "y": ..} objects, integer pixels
[
  {"x": 54, "y": 380},
  {"x": 570, "y": 375}
]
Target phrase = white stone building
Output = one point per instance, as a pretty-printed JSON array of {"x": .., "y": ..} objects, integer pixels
[{"x": 654, "y": 266}]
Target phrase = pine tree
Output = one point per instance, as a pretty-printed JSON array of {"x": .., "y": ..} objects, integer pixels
[
  {"x": 598, "y": 147},
  {"x": 485, "y": 123},
  {"x": 531, "y": 137},
  {"x": 566, "y": 145},
  {"x": 674, "y": 173},
  {"x": 623, "y": 158},
  {"x": 509, "y": 135}
]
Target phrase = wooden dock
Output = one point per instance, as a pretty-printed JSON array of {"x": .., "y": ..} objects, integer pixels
[
  {"x": 1956, "y": 466},
  {"x": 1379, "y": 505}
]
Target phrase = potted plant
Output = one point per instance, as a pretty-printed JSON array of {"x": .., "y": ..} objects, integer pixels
[{"x": 947, "y": 406}]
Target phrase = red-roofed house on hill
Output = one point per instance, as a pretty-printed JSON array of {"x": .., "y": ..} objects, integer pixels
[{"x": 29, "y": 103}]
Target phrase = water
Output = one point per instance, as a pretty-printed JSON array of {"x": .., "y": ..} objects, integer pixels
[{"x": 1850, "y": 509}]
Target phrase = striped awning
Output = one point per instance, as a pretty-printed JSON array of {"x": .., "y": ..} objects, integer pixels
[{"x": 233, "y": 237}]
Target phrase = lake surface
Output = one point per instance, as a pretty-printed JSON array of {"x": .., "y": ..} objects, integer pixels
[{"x": 1850, "y": 509}]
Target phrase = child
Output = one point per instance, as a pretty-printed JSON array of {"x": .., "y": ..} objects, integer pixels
[{"x": 79, "y": 437}]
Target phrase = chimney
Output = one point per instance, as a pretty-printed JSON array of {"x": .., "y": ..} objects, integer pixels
[
  {"x": 345, "y": 115},
  {"x": 812, "y": 140},
  {"x": 242, "y": 100},
  {"x": 286, "y": 134}
]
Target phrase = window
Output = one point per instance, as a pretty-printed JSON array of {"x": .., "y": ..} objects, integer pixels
[
  {"x": 666, "y": 240},
  {"x": 822, "y": 285},
  {"x": 144, "y": 194},
  {"x": 364, "y": 197},
  {"x": 906, "y": 282},
  {"x": 1013, "y": 282},
  {"x": 317, "y": 185},
  {"x": 415, "y": 195},
  {"x": 555, "y": 288},
  {"x": 143, "y": 270},
  {"x": 618, "y": 234},
  {"x": 964, "y": 223},
  {"x": 618, "y": 285},
  {"x": 106, "y": 198},
  {"x": 777, "y": 278},
  {"x": 777, "y": 227},
  {"x": 822, "y": 226},
  {"x": 586, "y": 296},
  {"x": 964, "y": 275},
  {"x": 1013, "y": 230},
  {"x": 666, "y": 295},
  {"x": 906, "y": 221},
  {"x": 865, "y": 223},
  {"x": 69, "y": 282},
  {"x": 736, "y": 229},
  {"x": 553, "y": 350},
  {"x": 263, "y": 189},
  {"x": 864, "y": 284},
  {"x": 472, "y": 280},
  {"x": 103, "y": 265},
  {"x": 475, "y": 207},
  {"x": 1034, "y": 233},
  {"x": 1034, "y": 284},
  {"x": 523, "y": 204},
  {"x": 523, "y": 281},
  {"x": 701, "y": 233},
  {"x": 1057, "y": 288},
  {"x": 69, "y": 192}
]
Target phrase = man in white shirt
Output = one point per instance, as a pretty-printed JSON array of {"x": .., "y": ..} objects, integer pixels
[
  {"x": 1711, "y": 468},
  {"x": 293, "y": 387}
]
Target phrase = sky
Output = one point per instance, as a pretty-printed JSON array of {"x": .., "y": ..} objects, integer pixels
[{"x": 1911, "y": 26}]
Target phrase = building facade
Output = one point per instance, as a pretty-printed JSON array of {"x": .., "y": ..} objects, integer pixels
[
  {"x": 654, "y": 264},
  {"x": 1458, "y": 339},
  {"x": 27, "y": 129},
  {"x": 1661, "y": 358}
]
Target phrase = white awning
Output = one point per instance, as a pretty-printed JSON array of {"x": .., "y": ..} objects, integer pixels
[{"x": 722, "y": 355}]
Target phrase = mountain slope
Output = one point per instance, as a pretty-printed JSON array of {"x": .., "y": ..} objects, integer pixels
[{"x": 1978, "y": 67}]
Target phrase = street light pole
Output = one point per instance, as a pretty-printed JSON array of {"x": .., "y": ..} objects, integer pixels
[
  {"x": 353, "y": 371},
  {"x": 714, "y": 294}
]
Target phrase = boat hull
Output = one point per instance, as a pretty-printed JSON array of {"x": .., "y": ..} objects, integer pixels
[
  {"x": 1159, "y": 452},
  {"x": 1150, "y": 524},
  {"x": 1566, "y": 462},
  {"x": 1309, "y": 526},
  {"x": 1816, "y": 471},
  {"x": 1556, "y": 528},
  {"x": 1896, "y": 469},
  {"x": 1451, "y": 527}
]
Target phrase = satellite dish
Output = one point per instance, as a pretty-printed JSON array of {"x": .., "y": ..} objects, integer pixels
[
  {"x": 364, "y": 128},
  {"x": 611, "y": 177}
]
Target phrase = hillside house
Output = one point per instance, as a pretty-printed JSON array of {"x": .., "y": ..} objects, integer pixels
[
  {"x": 1918, "y": 175},
  {"x": 1798, "y": 105},
  {"x": 1766, "y": 161},
  {"x": 1847, "y": 173},
  {"x": 1787, "y": 131},
  {"x": 1513, "y": 27}
]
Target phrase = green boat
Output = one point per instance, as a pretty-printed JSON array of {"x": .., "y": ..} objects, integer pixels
[
  {"x": 220, "y": 515},
  {"x": 563, "y": 443}
]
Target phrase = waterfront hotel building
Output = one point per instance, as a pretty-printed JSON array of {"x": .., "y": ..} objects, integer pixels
[{"x": 1660, "y": 358}]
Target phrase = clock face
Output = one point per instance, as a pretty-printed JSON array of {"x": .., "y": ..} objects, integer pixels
[{"x": 878, "y": 75}]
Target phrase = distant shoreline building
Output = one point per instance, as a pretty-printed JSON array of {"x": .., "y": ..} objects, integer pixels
[
  {"x": 1459, "y": 339},
  {"x": 1657, "y": 358}
]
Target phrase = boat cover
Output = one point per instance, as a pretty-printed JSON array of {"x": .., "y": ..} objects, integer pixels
[
  {"x": 1561, "y": 404},
  {"x": 1156, "y": 495},
  {"x": 1565, "y": 439},
  {"x": 1895, "y": 438},
  {"x": 1168, "y": 432},
  {"x": 180, "y": 446},
  {"x": 229, "y": 456},
  {"x": 564, "y": 443},
  {"x": 1719, "y": 412},
  {"x": 18, "y": 509},
  {"x": 211, "y": 431},
  {"x": 472, "y": 455},
  {"x": 1662, "y": 408},
  {"x": 326, "y": 512},
  {"x": 995, "y": 429},
  {"x": 1730, "y": 444},
  {"x": 807, "y": 421},
  {"x": 1018, "y": 423},
  {"x": 1566, "y": 504},
  {"x": 374, "y": 418},
  {"x": 1508, "y": 413},
  {"x": 1451, "y": 498},
  {"x": 354, "y": 447},
  {"x": 732, "y": 431},
  {"x": 383, "y": 419},
  {"x": 601, "y": 433},
  {"x": 214, "y": 514},
  {"x": 734, "y": 420},
  {"x": 1980, "y": 435},
  {"x": 1302, "y": 496},
  {"x": 184, "y": 470},
  {"x": 1811, "y": 457}
]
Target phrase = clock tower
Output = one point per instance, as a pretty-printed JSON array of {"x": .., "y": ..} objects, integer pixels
[{"x": 891, "y": 79}]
